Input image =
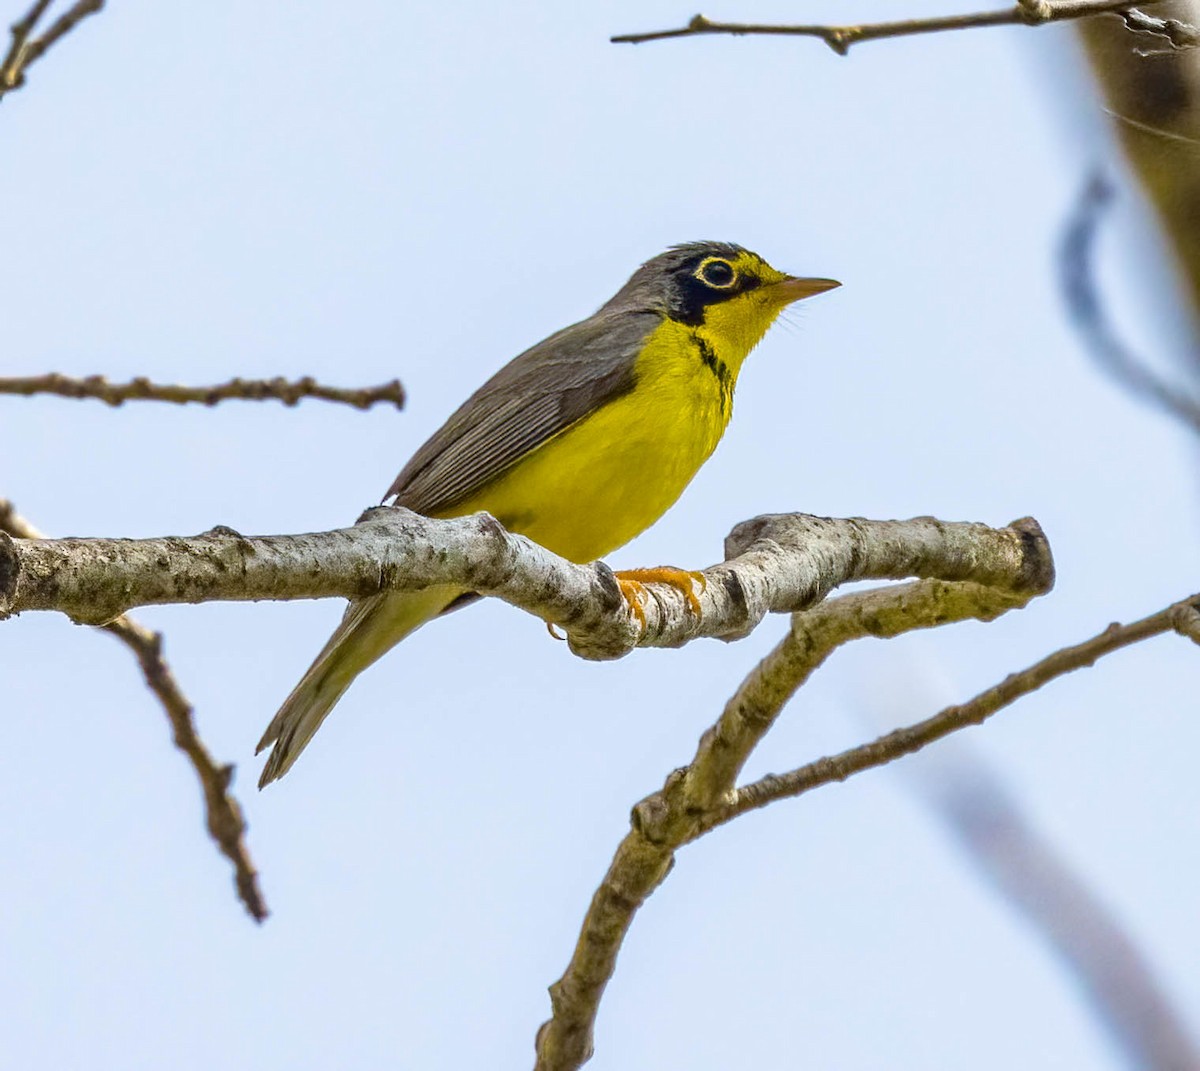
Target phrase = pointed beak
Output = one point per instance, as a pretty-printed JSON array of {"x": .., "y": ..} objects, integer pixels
[{"x": 793, "y": 289}]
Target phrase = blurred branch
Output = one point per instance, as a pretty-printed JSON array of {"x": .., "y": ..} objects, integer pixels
[
  {"x": 141, "y": 389},
  {"x": 841, "y": 38},
  {"x": 686, "y": 805},
  {"x": 223, "y": 815},
  {"x": 1087, "y": 309},
  {"x": 777, "y": 564},
  {"x": 1057, "y": 902},
  {"x": 25, "y": 50}
]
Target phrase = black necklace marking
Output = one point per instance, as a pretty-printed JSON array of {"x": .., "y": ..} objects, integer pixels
[{"x": 718, "y": 368}]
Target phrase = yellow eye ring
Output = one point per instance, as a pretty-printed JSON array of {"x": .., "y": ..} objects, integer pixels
[{"x": 717, "y": 273}]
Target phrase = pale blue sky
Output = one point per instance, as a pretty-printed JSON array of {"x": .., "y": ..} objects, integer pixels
[{"x": 373, "y": 190}]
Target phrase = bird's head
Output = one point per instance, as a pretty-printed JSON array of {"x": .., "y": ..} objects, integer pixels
[{"x": 724, "y": 291}]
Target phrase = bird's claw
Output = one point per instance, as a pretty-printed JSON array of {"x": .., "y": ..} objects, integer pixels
[{"x": 632, "y": 583}]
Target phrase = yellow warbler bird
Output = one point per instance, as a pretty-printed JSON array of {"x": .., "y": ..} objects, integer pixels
[{"x": 580, "y": 443}]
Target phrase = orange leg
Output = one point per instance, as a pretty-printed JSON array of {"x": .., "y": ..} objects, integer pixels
[{"x": 632, "y": 583}]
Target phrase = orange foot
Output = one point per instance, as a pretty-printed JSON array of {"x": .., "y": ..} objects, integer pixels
[{"x": 632, "y": 583}]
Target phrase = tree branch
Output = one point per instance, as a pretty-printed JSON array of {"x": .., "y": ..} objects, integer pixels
[
  {"x": 141, "y": 389},
  {"x": 779, "y": 563},
  {"x": 223, "y": 815},
  {"x": 698, "y": 797},
  {"x": 678, "y": 813},
  {"x": 1183, "y": 618},
  {"x": 26, "y": 50},
  {"x": 841, "y": 38}
]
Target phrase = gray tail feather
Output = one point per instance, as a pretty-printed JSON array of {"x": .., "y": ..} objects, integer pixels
[{"x": 370, "y": 628}]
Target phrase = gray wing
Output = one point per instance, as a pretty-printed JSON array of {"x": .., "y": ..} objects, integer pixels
[{"x": 531, "y": 399}]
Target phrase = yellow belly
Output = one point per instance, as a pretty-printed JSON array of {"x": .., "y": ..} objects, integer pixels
[{"x": 596, "y": 485}]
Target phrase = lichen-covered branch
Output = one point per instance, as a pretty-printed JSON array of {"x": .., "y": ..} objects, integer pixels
[
  {"x": 687, "y": 804},
  {"x": 777, "y": 563},
  {"x": 223, "y": 815},
  {"x": 841, "y": 38},
  {"x": 288, "y": 391},
  {"x": 25, "y": 50}
]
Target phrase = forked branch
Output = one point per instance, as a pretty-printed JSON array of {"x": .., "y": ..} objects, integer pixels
[
  {"x": 701, "y": 796},
  {"x": 25, "y": 49}
]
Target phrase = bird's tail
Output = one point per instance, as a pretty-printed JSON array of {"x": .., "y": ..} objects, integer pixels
[{"x": 371, "y": 627}]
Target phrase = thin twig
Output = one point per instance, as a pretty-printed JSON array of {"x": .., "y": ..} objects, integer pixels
[
  {"x": 1182, "y": 617},
  {"x": 223, "y": 815},
  {"x": 674, "y": 816},
  {"x": 25, "y": 50},
  {"x": 1086, "y": 307},
  {"x": 841, "y": 38},
  {"x": 62, "y": 26},
  {"x": 141, "y": 389}
]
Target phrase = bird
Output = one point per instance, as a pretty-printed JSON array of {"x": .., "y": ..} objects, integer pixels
[{"x": 580, "y": 443}]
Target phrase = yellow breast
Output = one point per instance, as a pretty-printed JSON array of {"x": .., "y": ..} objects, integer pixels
[{"x": 596, "y": 485}]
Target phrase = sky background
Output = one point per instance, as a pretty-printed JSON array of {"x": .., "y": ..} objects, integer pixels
[{"x": 371, "y": 190}]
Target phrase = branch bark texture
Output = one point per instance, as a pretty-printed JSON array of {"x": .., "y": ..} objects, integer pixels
[{"x": 777, "y": 563}]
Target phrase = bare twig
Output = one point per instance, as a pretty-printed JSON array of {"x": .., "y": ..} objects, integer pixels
[
  {"x": 1032, "y": 876},
  {"x": 778, "y": 563},
  {"x": 141, "y": 389},
  {"x": 223, "y": 815},
  {"x": 678, "y": 813},
  {"x": 841, "y": 38},
  {"x": 25, "y": 50},
  {"x": 1087, "y": 310},
  {"x": 1183, "y": 618}
]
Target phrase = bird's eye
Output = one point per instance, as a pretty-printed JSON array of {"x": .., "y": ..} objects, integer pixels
[{"x": 718, "y": 274}]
